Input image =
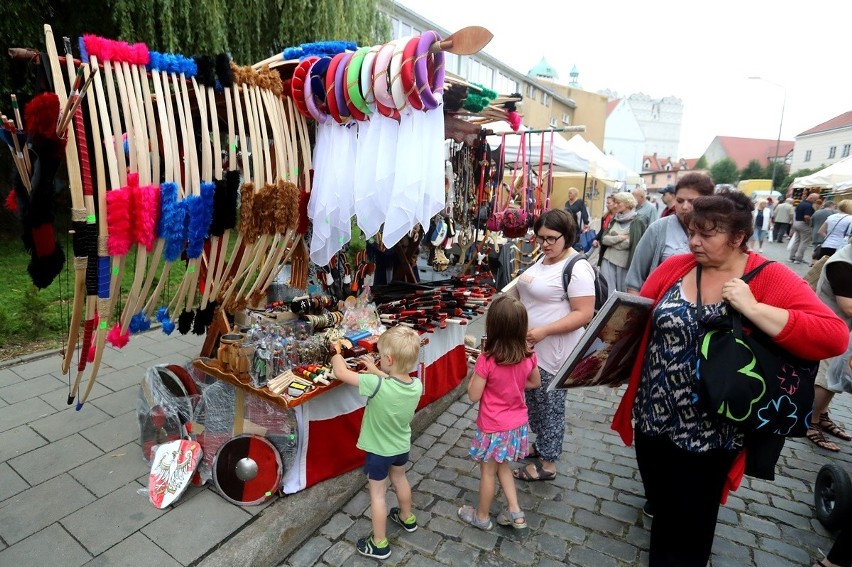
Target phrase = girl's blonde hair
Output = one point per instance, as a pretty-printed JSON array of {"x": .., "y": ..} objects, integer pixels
[
  {"x": 403, "y": 344},
  {"x": 506, "y": 331}
]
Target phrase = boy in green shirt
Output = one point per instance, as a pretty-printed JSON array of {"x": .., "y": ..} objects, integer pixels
[{"x": 392, "y": 397}]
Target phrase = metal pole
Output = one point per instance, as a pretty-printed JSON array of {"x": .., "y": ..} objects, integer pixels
[{"x": 778, "y": 140}]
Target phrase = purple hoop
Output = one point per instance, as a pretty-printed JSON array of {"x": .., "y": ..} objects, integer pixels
[
  {"x": 318, "y": 114},
  {"x": 340, "y": 86},
  {"x": 429, "y": 84}
]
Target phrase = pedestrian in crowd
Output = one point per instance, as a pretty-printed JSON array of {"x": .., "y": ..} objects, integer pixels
[
  {"x": 619, "y": 240},
  {"x": 782, "y": 217},
  {"x": 556, "y": 322},
  {"x": 761, "y": 225},
  {"x": 802, "y": 228},
  {"x": 684, "y": 452},
  {"x": 645, "y": 211},
  {"x": 836, "y": 229},
  {"x": 577, "y": 209},
  {"x": 834, "y": 288},
  {"x": 392, "y": 398},
  {"x": 505, "y": 369},
  {"x": 606, "y": 221},
  {"x": 667, "y": 195},
  {"x": 667, "y": 237},
  {"x": 825, "y": 210},
  {"x": 840, "y": 554}
]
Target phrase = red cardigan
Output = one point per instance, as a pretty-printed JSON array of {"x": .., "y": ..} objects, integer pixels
[{"x": 813, "y": 332}]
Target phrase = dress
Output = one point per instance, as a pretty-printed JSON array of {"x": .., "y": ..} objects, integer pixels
[
  {"x": 540, "y": 290},
  {"x": 502, "y": 420}
]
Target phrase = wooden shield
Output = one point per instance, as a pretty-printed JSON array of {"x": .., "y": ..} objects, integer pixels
[
  {"x": 172, "y": 467},
  {"x": 247, "y": 470}
]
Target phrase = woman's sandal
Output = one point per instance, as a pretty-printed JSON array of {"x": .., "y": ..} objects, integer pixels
[
  {"x": 467, "y": 514},
  {"x": 816, "y": 437},
  {"x": 506, "y": 518},
  {"x": 523, "y": 474},
  {"x": 532, "y": 454},
  {"x": 827, "y": 425}
]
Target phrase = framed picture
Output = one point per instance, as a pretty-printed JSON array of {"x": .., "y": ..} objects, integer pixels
[{"x": 607, "y": 350}]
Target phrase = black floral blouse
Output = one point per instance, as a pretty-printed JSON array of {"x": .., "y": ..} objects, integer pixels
[{"x": 668, "y": 402}]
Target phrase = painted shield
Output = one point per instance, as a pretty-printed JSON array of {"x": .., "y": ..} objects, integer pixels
[
  {"x": 172, "y": 467},
  {"x": 247, "y": 470}
]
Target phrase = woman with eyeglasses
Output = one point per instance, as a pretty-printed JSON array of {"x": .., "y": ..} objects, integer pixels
[
  {"x": 687, "y": 456},
  {"x": 619, "y": 242},
  {"x": 556, "y": 320}
]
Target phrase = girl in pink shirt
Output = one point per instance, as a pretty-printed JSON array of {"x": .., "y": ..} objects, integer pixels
[{"x": 503, "y": 371}]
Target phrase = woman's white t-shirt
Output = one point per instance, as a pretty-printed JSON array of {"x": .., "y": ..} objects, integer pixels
[
  {"x": 540, "y": 290},
  {"x": 838, "y": 227}
]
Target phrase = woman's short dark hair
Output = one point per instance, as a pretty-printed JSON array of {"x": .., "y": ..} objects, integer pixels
[
  {"x": 726, "y": 211},
  {"x": 697, "y": 181},
  {"x": 559, "y": 220}
]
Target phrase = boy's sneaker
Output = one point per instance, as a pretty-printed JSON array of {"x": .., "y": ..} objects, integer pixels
[
  {"x": 409, "y": 525},
  {"x": 366, "y": 546}
]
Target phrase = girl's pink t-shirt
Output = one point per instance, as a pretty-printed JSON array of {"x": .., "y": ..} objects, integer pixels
[{"x": 503, "y": 406}]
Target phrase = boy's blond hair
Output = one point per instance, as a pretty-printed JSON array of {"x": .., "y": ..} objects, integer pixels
[{"x": 403, "y": 344}]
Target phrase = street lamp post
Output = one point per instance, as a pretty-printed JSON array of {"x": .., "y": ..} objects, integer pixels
[{"x": 780, "y": 125}]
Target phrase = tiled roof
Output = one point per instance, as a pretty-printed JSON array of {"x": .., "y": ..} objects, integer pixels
[
  {"x": 610, "y": 106},
  {"x": 659, "y": 163},
  {"x": 743, "y": 150},
  {"x": 842, "y": 121}
]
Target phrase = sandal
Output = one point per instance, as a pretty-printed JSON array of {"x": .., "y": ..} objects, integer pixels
[
  {"x": 524, "y": 474},
  {"x": 468, "y": 515},
  {"x": 817, "y": 438},
  {"x": 826, "y": 424},
  {"x": 532, "y": 454},
  {"x": 506, "y": 518}
]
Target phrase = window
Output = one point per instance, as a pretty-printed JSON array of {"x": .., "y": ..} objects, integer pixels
[
  {"x": 846, "y": 148},
  {"x": 531, "y": 92},
  {"x": 566, "y": 119},
  {"x": 545, "y": 100},
  {"x": 647, "y": 164},
  {"x": 552, "y": 122},
  {"x": 668, "y": 167},
  {"x": 808, "y": 155},
  {"x": 832, "y": 151},
  {"x": 653, "y": 179}
]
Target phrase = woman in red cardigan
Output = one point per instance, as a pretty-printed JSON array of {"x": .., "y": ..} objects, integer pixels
[{"x": 684, "y": 453}]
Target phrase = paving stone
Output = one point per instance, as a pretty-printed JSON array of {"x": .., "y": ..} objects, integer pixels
[
  {"x": 10, "y": 482},
  {"x": 445, "y": 526},
  {"x": 130, "y": 357},
  {"x": 764, "y": 559},
  {"x": 118, "y": 403},
  {"x": 639, "y": 537},
  {"x": 736, "y": 534},
  {"x": 67, "y": 422},
  {"x": 466, "y": 466},
  {"x": 38, "y": 367},
  {"x": 599, "y": 523},
  {"x": 424, "y": 441},
  {"x": 220, "y": 519},
  {"x": 26, "y": 513},
  {"x": 584, "y": 556},
  {"x": 759, "y": 525},
  {"x": 437, "y": 451},
  {"x": 620, "y": 512},
  {"x": 54, "y": 459},
  {"x": 27, "y": 411},
  {"x": 114, "y": 432},
  {"x": 580, "y": 500},
  {"x": 423, "y": 540},
  {"x": 727, "y": 548},
  {"x": 596, "y": 490},
  {"x": 793, "y": 506},
  {"x": 620, "y": 550},
  {"x": 358, "y": 504},
  {"x": 307, "y": 554},
  {"x": 338, "y": 553},
  {"x": 445, "y": 475},
  {"x": 792, "y": 552},
  {"x": 111, "y": 470},
  {"x": 117, "y": 380},
  {"x": 479, "y": 538},
  {"x": 564, "y": 530},
  {"x": 424, "y": 465},
  {"x": 8, "y": 378},
  {"x": 420, "y": 561},
  {"x": 18, "y": 441},
  {"x": 774, "y": 514},
  {"x": 435, "y": 430},
  {"x": 337, "y": 525},
  {"x": 134, "y": 551},
  {"x": 26, "y": 389},
  {"x": 515, "y": 553},
  {"x": 455, "y": 553},
  {"x": 50, "y": 546},
  {"x": 437, "y": 488}
]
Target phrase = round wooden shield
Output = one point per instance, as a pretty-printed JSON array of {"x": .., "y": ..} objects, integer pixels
[{"x": 247, "y": 470}]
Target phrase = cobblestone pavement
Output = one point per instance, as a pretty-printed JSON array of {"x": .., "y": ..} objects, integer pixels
[{"x": 590, "y": 515}]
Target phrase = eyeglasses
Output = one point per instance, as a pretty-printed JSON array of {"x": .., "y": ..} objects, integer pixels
[{"x": 547, "y": 239}]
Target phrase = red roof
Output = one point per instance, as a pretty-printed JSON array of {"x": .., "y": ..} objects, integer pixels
[
  {"x": 658, "y": 163},
  {"x": 610, "y": 106},
  {"x": 743, "y": 150},
  {"x": 842, "y": 121}
]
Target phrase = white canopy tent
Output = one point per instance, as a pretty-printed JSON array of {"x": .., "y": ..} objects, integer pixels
[
  {"x": 564, "y": 157},
  {"x": 836, "y": 176}
]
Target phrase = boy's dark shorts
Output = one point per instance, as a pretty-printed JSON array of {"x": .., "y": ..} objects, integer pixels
[{"x": 377, "y": 467}]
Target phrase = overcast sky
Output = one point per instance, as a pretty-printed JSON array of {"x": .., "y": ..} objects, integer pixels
[{"x": 700, "y": 52}]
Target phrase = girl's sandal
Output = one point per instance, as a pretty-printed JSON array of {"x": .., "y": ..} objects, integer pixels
[
  {"x": 827, "y": 425},
  {"x": 816, "y": 437},
  {"x": 467, "y": 514},
  {"x": 506, "y": 518}
]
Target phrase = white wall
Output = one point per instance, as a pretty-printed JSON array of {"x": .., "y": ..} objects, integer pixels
[
  {"x": 624, "y": 138},
  {"x": 819, "y": 145}
]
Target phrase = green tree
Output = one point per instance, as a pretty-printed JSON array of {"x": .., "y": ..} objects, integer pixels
[
  {"x": 753, "y": 171},
  {"x": 701, "y": 163},
  {"x": 724, "y": 171}
]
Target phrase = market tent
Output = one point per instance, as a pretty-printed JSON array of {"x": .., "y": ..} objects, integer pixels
[
  {"x": 835, "y": 176},
  {"x": 564, "y": 158}
]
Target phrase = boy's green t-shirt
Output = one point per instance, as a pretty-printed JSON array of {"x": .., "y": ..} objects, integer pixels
[{"x": 386, "y": 426}]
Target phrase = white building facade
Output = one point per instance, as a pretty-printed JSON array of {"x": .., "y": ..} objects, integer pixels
[
  {"x": 823, "y": 145},
  {"x": 624, "y": 138}
]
